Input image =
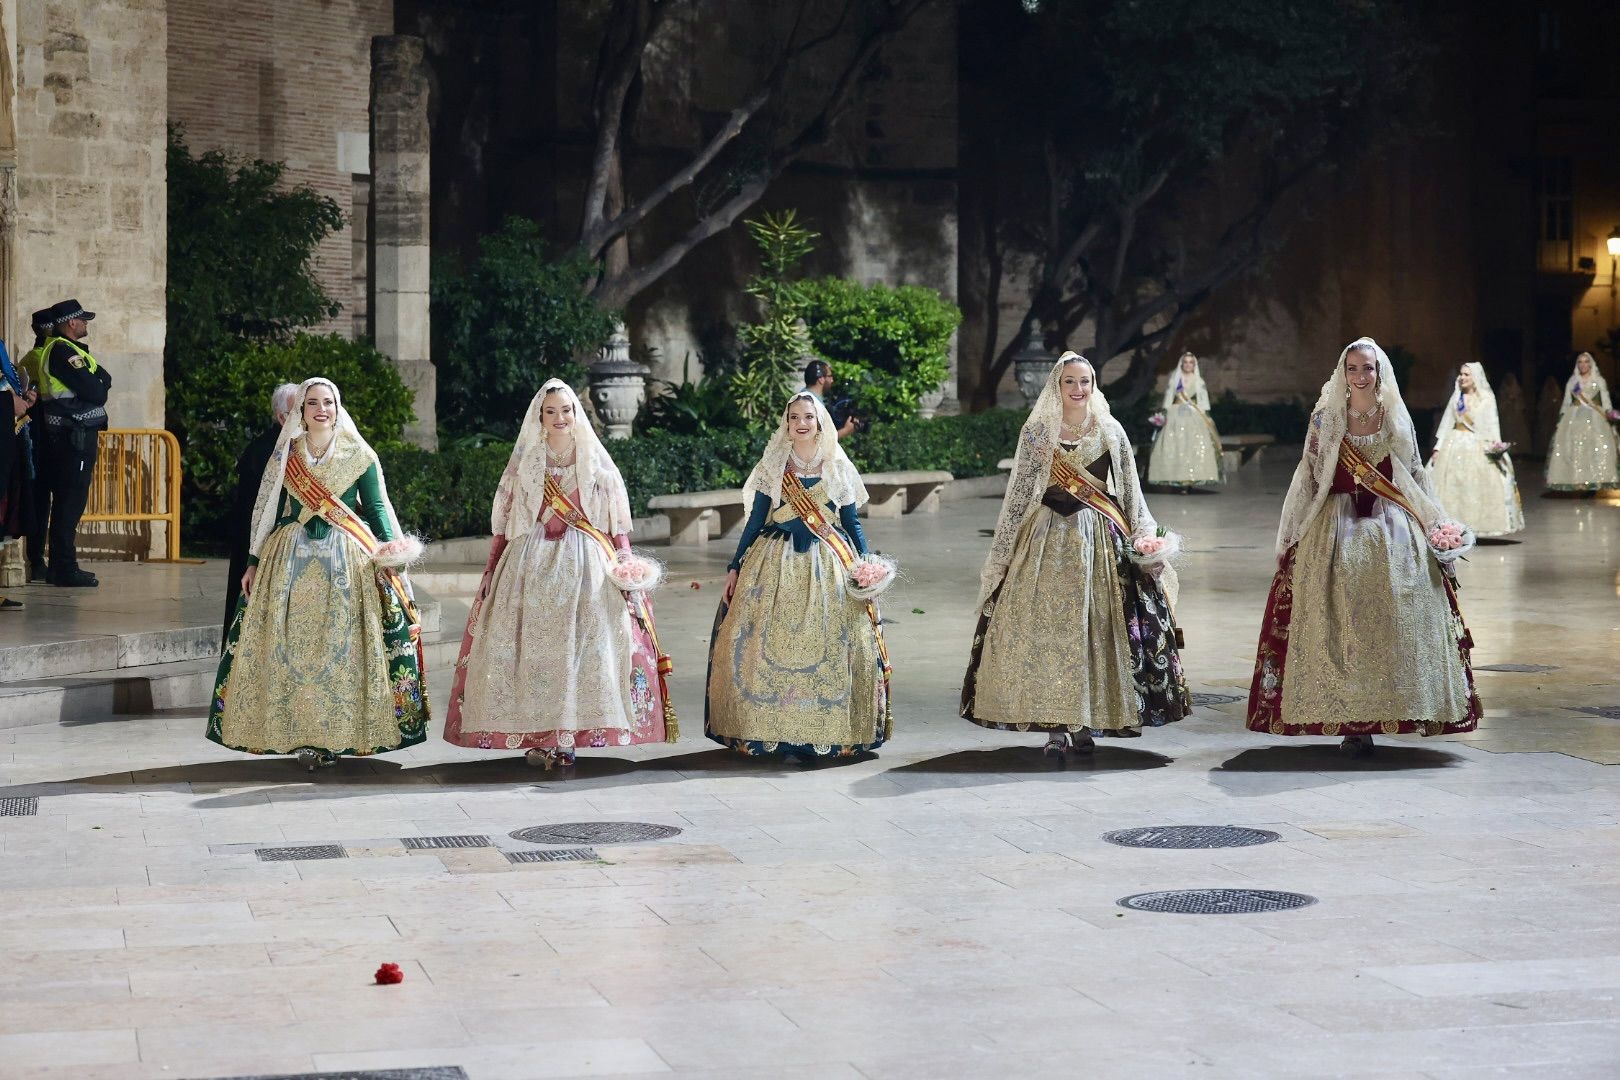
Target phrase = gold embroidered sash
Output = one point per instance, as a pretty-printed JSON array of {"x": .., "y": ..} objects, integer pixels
[
  {"x": 1366, "y": 475},
  {"x": 575, "y": 518},
  {"x": 1083, "y": 486},
  {"x": 810, "y": 513},
  {"x": 318, "y": 499},
  {"x": 1582, "y": 399}
]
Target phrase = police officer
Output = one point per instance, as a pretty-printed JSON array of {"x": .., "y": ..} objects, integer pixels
[
  {"x": 38, "y": 486},
  {"x": 73, "y": 389}
]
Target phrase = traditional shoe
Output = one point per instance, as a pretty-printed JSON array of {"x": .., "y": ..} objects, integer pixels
[
  {"x": 1357, "y": 746},
  {"x": 309, "y": 759},
  {"x": 1057, "y": 744},
  {"x": 1082, "y": 743}
]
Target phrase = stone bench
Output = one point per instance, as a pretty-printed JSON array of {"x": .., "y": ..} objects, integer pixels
[
  {"x": 689, "y": 511},
  {"x": 912, "y": 491},
  {"x": 1240, "y": 450}
]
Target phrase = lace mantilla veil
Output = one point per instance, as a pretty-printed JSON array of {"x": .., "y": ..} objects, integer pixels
[
  {"x": 1191, "y": 385},
  {"x": 520, "y": 496},
  {"x": 839, "y": 477},
  {"x": 1313, "y": 478},
  {"x": 347, "y": 444},
  {"x": 1593, "y": 386},
  {"x": 1481, "y": 410},
  {"x": 1032, "y": 469}
]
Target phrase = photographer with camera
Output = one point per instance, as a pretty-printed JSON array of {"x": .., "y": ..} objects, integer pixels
[{"x": 818, "y": 380}]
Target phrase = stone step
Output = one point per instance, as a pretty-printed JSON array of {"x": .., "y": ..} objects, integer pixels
[
  {"x": 66, "y": 655},
  {"x": 446, "y": 579},
  {"x": 96, "y": 695}
]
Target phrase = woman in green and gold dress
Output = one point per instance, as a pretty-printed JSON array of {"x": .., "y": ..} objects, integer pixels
[
  {"x": 323, "y": 658},
  {"x": 797, "y": 664},
  {"x": 1076, "y": 634}
]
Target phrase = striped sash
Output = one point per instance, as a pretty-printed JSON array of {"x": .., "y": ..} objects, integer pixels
[{"x": 1085, "y": 487}]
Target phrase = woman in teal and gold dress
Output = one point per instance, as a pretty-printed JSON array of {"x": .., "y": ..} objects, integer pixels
[
  {"x": 797, "y": 664},
  {"x": 323, "y": 658}
]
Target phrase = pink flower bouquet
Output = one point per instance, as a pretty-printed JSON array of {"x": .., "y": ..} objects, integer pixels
[
  {"x": 1496, "y": 450},
  {"x": 870, "y": 576},
  {"x": 1451, "y": 540},
  {"x": 1160, "y": 547},
  {"x": 633, "y": 572},
  {"x": 1157, "y": 419},
  {"x": 1613, "y": 415},
  {"x": 397, "y": 554}
]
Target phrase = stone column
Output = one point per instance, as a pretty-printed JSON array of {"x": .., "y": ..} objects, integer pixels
[{"x": 399, "y": 221}]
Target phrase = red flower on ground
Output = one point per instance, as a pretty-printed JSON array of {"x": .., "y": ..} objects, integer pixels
[{"x": 389, "y": 973}]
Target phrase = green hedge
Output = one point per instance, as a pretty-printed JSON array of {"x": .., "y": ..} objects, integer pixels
[{"x": 447, "y": 494}]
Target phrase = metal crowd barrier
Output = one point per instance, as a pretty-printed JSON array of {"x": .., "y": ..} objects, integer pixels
[{"x": 137, "y": 478}]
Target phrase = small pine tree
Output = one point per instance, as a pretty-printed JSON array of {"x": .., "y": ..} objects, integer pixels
[{"x": 773, "y": 350}]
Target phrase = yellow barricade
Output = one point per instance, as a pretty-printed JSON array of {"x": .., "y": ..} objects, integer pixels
[{"x": 137, "y": 478}]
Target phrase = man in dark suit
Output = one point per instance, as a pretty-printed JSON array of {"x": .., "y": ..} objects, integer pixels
[{"x": 249, "y": 470}]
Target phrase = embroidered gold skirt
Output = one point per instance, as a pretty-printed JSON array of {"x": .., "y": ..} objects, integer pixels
[
  {"x": 1076, "y": 638},
  {"x": 1361, "y": 634},
  {"x": 322, "y": 657},
  {"x": 793, "y": 662}
]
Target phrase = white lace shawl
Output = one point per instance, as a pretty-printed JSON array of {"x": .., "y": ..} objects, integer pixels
[
  {"x": 839, "y": 478},
  {"x": 1481, "y": 410},
  {"x": 1593, "y": 387},
  {"x": 347, "y": 443},
  {"x": 521, "y": 495},
  {"x": 1313, "y": 479},
  {"x": 1191, "y": 385},
  {"x": 1032, "y": 470}
]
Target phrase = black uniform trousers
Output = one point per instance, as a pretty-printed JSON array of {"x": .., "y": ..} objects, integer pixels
[
  {"x": 70, "y": 464},
  {"x": 40, "y": 492}
]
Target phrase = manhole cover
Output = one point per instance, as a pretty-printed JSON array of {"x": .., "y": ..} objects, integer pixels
[
  {"x": 19, "y": 807},
  {"x": 299, "y": 854},
  {"x": 595, "y": 832},
  {"x": 1216, "y": 901},
  {"x": 1608, "y": 712},
  {"x": 573, "y": 854},
  {"x": 1190, "y": 836},
  {"x": 435, "y": 1072},
  {"x": 1523, "y": 668},
  {"x": 1215, "y": 699},
  {"x": 424, "y": 843}
]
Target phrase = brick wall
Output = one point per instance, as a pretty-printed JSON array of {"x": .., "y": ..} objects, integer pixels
[
  {"x": 284, "y": 80},
  {"x": 90, "y": 182}
]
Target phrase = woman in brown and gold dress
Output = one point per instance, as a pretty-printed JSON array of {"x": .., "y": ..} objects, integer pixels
[
  {"x": 1362, "y": 618},
  {"x": 1076, "y": 634}
]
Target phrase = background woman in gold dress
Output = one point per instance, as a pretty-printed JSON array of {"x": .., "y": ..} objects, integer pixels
[
  {"x": 557, "y": 655},
  {"x": 1187, "y": 451},
  {"x": 797, "y": 663},
  {"x": 324, "y": 656},
  {"x": 1582, "y": 456},
  {"x": 1076, "y": 634},
  {"x": 1362, "y": 633}
]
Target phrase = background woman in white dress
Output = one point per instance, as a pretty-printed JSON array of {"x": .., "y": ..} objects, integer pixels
[
  {"x": 1187, "y": 452},
  {"x": 1475, "y": 485},
  {"x": 1582, "y": 456}
]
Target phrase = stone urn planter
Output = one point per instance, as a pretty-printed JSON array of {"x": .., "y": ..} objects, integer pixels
[
  {"x": 618, "y": 385},
  {"x": 1031, "y": 365},
  {"x": 928, "y": 404}
]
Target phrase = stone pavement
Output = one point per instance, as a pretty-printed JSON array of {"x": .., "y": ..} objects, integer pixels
[{"x": 944, "y": 909}]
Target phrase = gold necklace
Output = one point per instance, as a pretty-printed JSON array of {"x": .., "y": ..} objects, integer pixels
[{"x": 1363, "y": 417}]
